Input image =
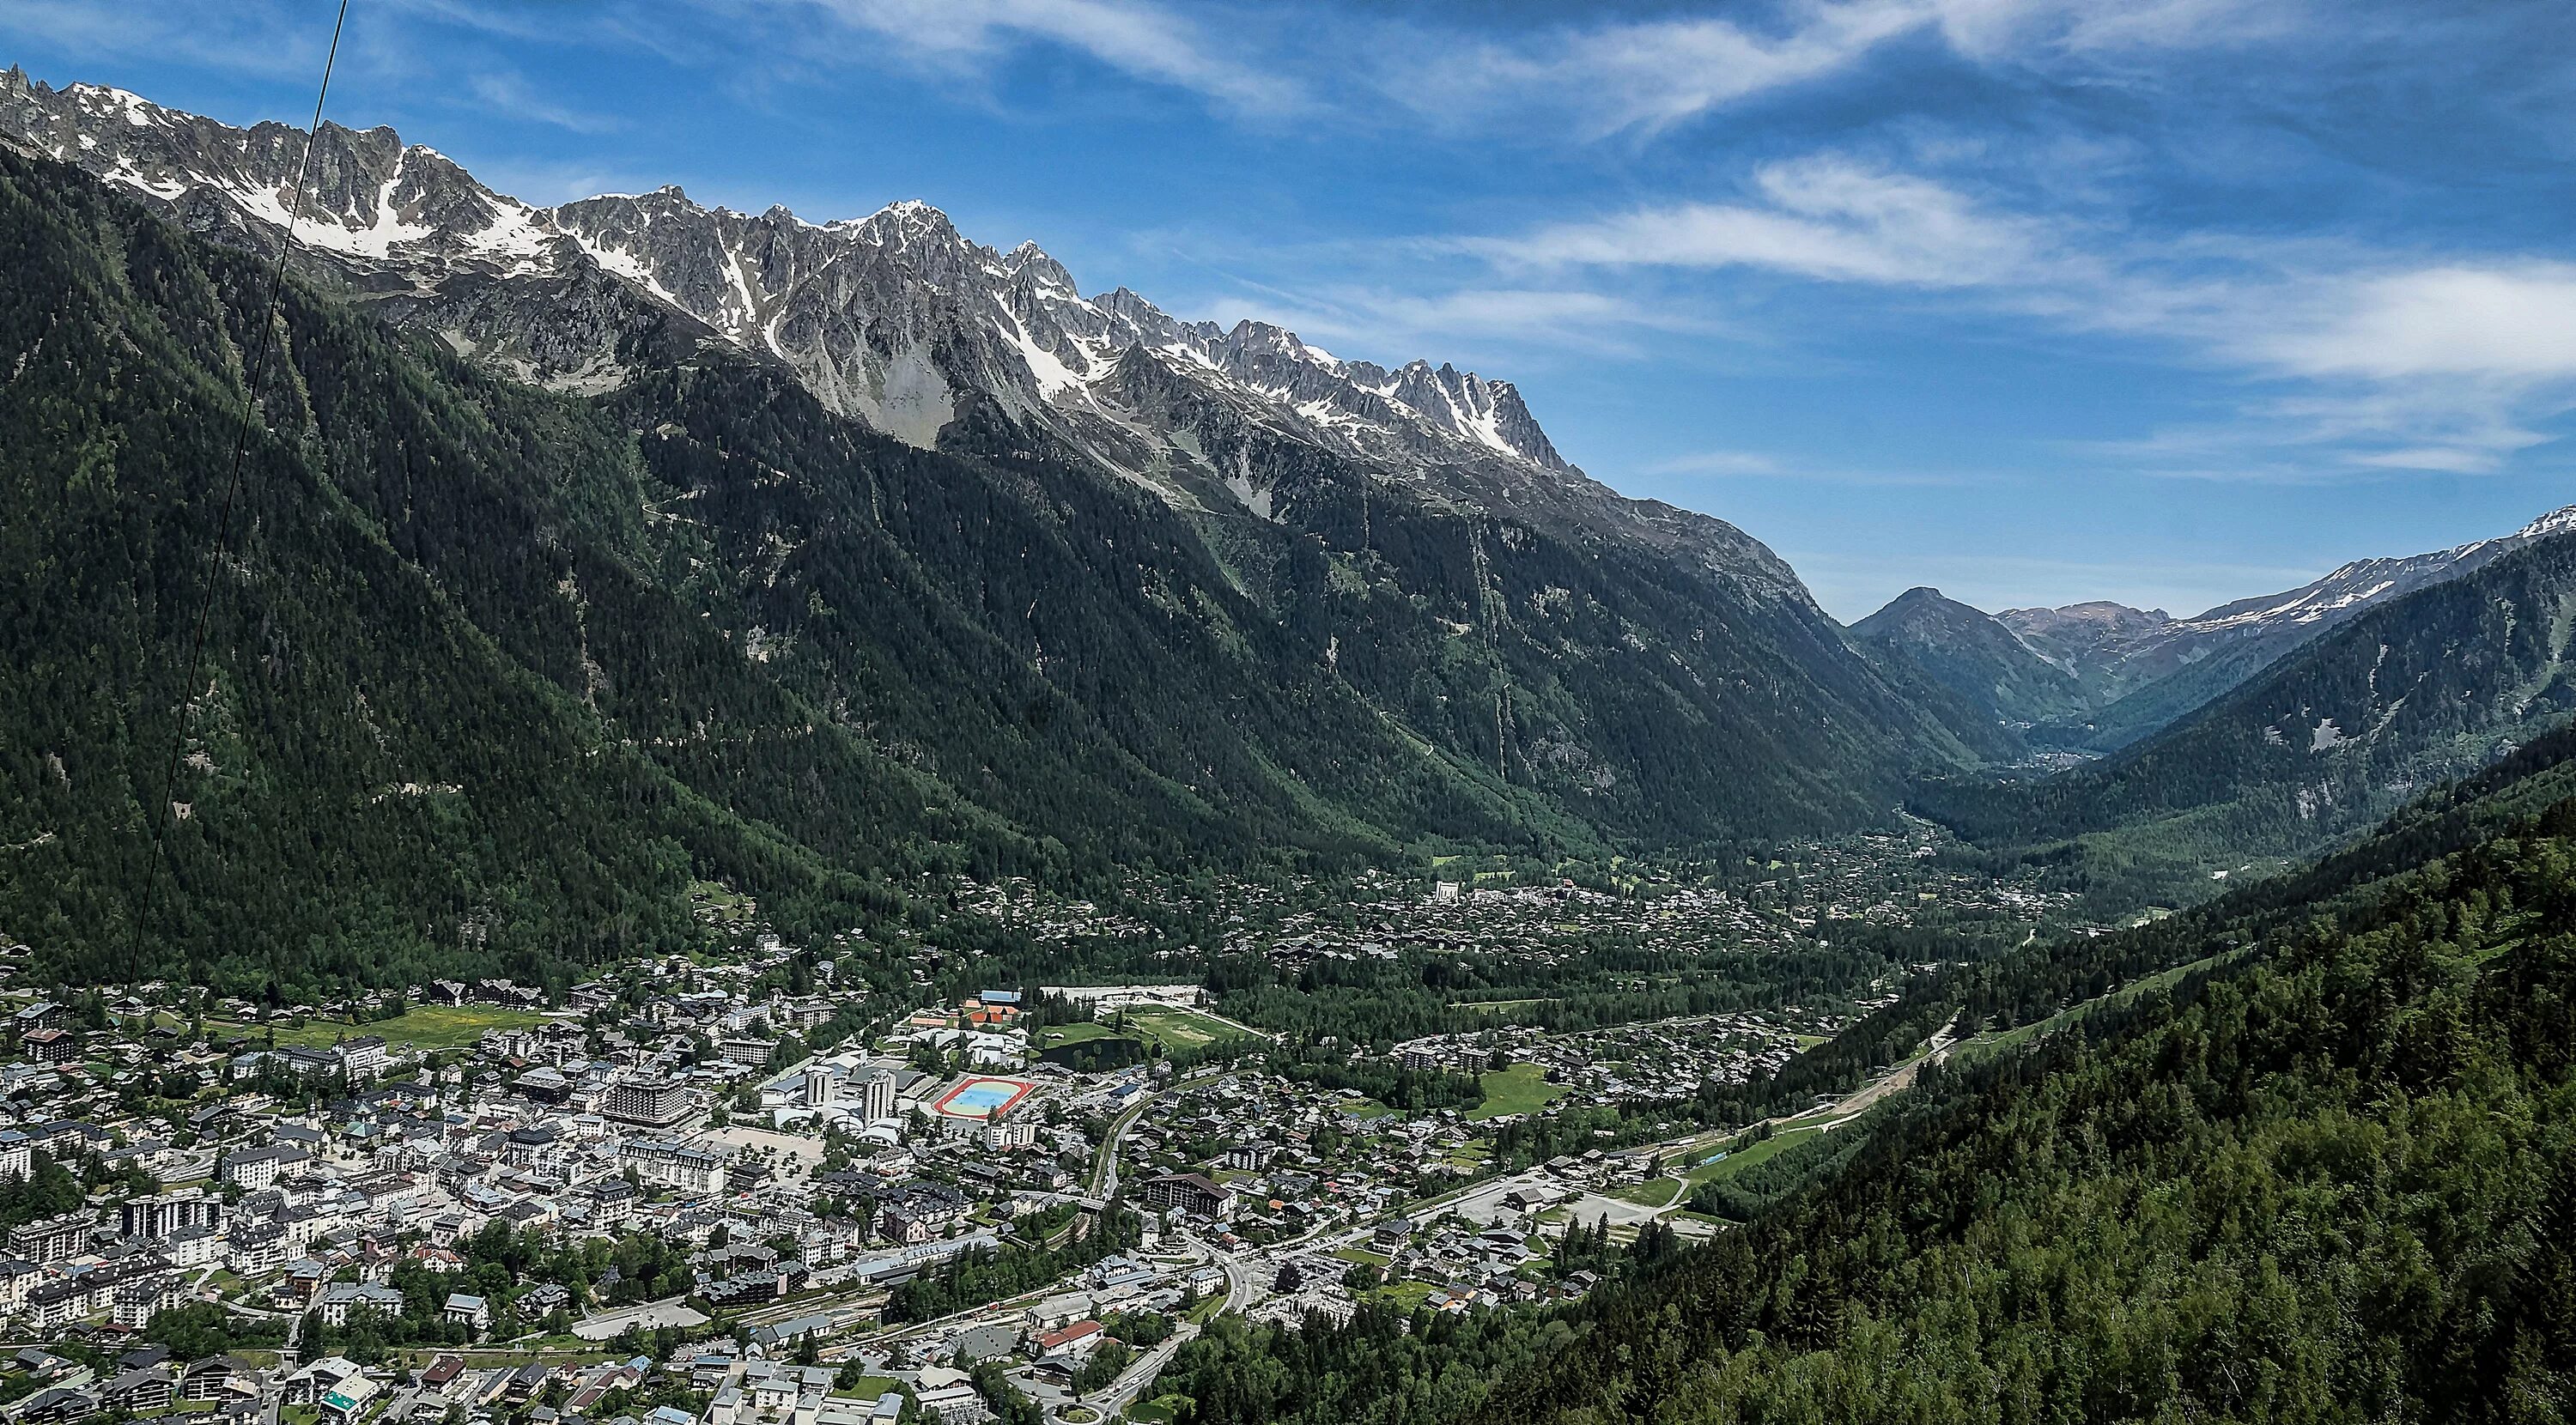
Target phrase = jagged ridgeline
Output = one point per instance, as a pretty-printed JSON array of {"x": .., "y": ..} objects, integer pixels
[{"x": 493, "y": 672}]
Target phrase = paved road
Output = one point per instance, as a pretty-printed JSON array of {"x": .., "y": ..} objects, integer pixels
[
  {"x": 1243, "y": 1280},
  {"x": 1104, "y": 1168},
  {"x": 1139, "y": 1375}
]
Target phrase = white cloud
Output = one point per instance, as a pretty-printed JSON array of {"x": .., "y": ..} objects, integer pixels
[
  {"x": 2509, "y": 322},
  {"x": 2359, "y": 361},
  {"x": 2354, "y": 361},
  {"x": 512, "y": 95},
  {"x": 1988, "y": 29},
  {"x": 1144, "y": 40},
  {"x": 1642, "y": 75},
  {"x": 1717, "y": 462},
  {"x": 1649, "y": 75},
  {"x": 1752, "y": 464},
  {"x": 253, "y": 40},
  {"x": 2455, "y": 460},
  {"x": 1522, "y": 312},
  {"x": 1826, "y": 217},
  {"x": 1396, "y": 325}
]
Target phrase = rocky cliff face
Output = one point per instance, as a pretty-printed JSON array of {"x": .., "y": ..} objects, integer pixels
[
  {"x": 1403, "y": 547},
  {"x": 896, "y": 319}
]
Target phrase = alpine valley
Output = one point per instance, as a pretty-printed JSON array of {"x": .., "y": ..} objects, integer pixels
[
  {"x": 631, "y": 814},
  {"x": 817, "y": 556},
  {"x": 847, "y": 550}
]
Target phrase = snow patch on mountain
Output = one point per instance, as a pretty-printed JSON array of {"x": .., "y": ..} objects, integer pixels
[
  {"x": 2115, "y": 649},
  {"x": 894, "y": 318}
]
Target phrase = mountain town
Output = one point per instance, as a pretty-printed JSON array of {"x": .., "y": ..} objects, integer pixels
[{"x": 627, "y": 808}]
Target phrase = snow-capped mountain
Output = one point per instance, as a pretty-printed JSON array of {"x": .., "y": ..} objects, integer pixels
[
  {"x": 2115, "y": 651},
  {"x": 896, "y": 319}
]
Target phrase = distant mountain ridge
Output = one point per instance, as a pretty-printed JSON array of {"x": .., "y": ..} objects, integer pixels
[
  {"x": 1975, "y": 656},
  {"x": 2097, "y": 676},
  {"x": 2142, "y": 668},
  {"x": 2409, "y": 691}
]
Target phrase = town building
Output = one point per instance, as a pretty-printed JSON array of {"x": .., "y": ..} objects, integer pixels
[
  {"x": 652, "y": 1101},
  {"x": 1192, "y": 1193}
]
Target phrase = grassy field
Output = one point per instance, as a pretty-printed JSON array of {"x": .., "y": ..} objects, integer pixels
[
  {"x": 1771, "y": 1147},
  {"x": 1522, "y": 1088},
  {"x": 1056, "y": 1036},
  {"x": 427, "y": 1027},
  {"x": 868, "y": 1388},
  {"x": 1404, "y": 1296},
  {"x": 1365, "y": 1108},
  {"x": 1653, "y": 1192},
  {"x": 728, "y": 907},
  {"x": 1157, "y": 1410},
  {"x": 1664, "y": 1191},
  {"x": 1180, "y": 1028},
  {"x": 1171, "y": 1027}
]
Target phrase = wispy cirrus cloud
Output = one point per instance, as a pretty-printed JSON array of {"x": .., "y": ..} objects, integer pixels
[
  {"x": 1717, "y": 462},
  {"x": 2355, "y": 359},
  {"x": 1828, "y": 216},
  {"x": 1462, "y": 321},
  {"x": 1762, "y": 465},
  {"x": 2507, "y": 321},
  {"x": 2081, "y": 29},
  {"x": 1613, "y": 76},
  {"x": 1343, "y": 63},
  {"x": 2362, "y": 360},
  {"x": 1153, "y": 42},
  {"x": 254, "y": 40},
  {"x": 1589, "y": 78},
  {"x": 510, "y": 94},
  {"x": 1645, "y": 75}
]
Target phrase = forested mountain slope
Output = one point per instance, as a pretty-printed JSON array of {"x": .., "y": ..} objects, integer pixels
[
  {"x": 2142, "y": 668},
  {"x": 2416, "y": 690},
  {"x": 493, "y": 673},
  {"x": 2329, "y": 1176},
  {"x": 1974, "y": 656},
  {"x": 407, "y": 754},
  {"x": 1653, "y": 672}
]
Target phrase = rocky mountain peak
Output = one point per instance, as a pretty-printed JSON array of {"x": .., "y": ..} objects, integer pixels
[
  {"x": 1041, "y": 274},
  {"x": 892, "y": 318},
  {"x": 908, "y": 224},
  {"x": 2558, "y": 521}
]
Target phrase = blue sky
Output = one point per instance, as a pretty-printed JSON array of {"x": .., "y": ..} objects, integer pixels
[{"x": 2165, "y": 301}]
